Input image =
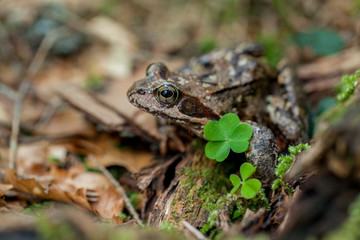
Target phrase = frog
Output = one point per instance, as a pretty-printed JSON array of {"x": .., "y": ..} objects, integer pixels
[{"x": 236, "y": 80}]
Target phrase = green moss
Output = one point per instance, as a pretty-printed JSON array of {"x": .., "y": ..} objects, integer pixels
[
  {"x": 284, "y": 164},
  {"x": 215, "y": 184},
  {"x": 48, "y": 230},
  {"x": 166, "y": 226},
  {"x": 254, "y": 204},
  {"x": 347, "y": 86},
  {"x": 211, "y": 221},
  {"x": 257, "y": 237},
  {"x": 349, "y": 230},
  {"x": 175, "y": 216},
  {"x": 37, "y": 209}
]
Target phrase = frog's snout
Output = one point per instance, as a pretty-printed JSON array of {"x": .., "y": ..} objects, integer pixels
[{"x": 136, "y": 91}]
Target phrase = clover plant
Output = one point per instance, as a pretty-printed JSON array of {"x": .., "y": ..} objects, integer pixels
[
  {"x": 226, "y": 134},
  {"x": 249, "y": 186}
]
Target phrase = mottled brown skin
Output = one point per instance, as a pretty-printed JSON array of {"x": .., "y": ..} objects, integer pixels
[{"x": 231, "y": 80}]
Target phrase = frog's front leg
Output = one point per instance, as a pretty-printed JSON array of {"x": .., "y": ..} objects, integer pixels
[
  {"x": 287, "y": 109},
  {"x": 262, "y": 152}
]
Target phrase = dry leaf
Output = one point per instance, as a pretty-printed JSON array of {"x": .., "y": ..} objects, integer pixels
[
  {"x": 132, "y": 159},
  {"x": 82, "y": 100},
  {"x": 4, "y": 187},
  {"x": 68, "y": 123}
]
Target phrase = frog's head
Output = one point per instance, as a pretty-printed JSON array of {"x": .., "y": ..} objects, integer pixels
[{"x": 168, "y": 95}]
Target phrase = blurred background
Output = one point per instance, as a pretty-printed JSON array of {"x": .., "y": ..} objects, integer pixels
[
  {"x": 111, "y": 38},
  {"x": 100, "y": 47},
  {"x": 100, "y": 40}
]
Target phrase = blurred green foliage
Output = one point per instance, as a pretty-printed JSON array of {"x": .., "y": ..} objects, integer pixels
[
  {"x": 207, "y": 45},
  {"x": 274, "y": 52},
  {"x": 349, "y": 229},
  {"x": 347, "y": 86},
  {"x": 94, "y": 82},
  {"x": 325, "y": 104},
  {"x": 48, "y": 230},
  {"x": 322, "y": 41}
]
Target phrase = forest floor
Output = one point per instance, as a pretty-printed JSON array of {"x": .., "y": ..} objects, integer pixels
[{"x": 78, "y": 161}]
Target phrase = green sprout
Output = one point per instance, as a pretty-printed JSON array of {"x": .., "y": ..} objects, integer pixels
[
  {"x": 347, "y": 86},
  {"x": 285, "y": 162},
  {"x": 226, "y": 134},
  {"x": 249, "y": 186}
]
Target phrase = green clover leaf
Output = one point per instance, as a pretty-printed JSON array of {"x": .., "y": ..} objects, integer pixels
[
  {"x": 228, "y": 123},
  {"x": 246, "y": 170},
  {"x": 217, "y": 150},
  {"x": 236, "y": 181},
  {"x": 249, "y": 187},
  {"x": 226, "y": 134},
  {"x": 213, "y": 131}
]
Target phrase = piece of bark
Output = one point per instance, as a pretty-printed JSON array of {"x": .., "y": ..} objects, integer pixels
[
  {"x": 172, "y": 205},
  {"x": 176, "y": 201}
]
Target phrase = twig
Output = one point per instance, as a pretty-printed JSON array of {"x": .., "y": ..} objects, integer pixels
[
  {"x": 24, "y": 87},
  {"x": 8, "y": 92},
  {"x": 192, "y": 231},
  {"x": 119, "y": 188},
  {"x": 34, "y": 67}
]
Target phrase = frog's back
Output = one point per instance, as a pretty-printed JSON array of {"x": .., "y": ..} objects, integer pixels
[{"x": 233, "y": 80}]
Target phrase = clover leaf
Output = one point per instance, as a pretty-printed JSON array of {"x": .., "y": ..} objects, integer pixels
[
  {"x": 249, "y": 186},
  {"x": 226, "y": 134},
  {"x": 236, "y": 181}
]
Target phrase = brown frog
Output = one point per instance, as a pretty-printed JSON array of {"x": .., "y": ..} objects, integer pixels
[{"x": 233, "y": 80}]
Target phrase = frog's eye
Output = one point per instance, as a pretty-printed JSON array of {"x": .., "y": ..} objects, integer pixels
[{"x": 167, "y": 94}]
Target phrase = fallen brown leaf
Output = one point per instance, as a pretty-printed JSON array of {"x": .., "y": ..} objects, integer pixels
[{"x": 4, "y": 187}]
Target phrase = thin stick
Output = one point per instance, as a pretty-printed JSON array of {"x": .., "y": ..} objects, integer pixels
[
  {"x": 192, "y": 232},
  {"x": 24, "y": 87},
  {"x": 34, "y": 67},
  {"x": 8, "y": 92},
  {"x": 119, "y": 188}
]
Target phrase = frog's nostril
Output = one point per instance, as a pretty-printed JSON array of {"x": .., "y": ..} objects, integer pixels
[{"x": 141, "y": 91}]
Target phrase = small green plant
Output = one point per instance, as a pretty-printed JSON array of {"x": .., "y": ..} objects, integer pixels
[
  {"x": 54, "y": 160},
  {"x": 207, "y": 45},
  {"x": 211, "y": 222},
  {"x": 124, "y": 216},
  {"x": 347, "y": 86},
  {"x": 94, "y": 82},
  {"x": 226, "y": 134},
  {"x": 249, "y": 186},
  {"x": 285, "y": 162},
  {"x": 166, "y": 226}
]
